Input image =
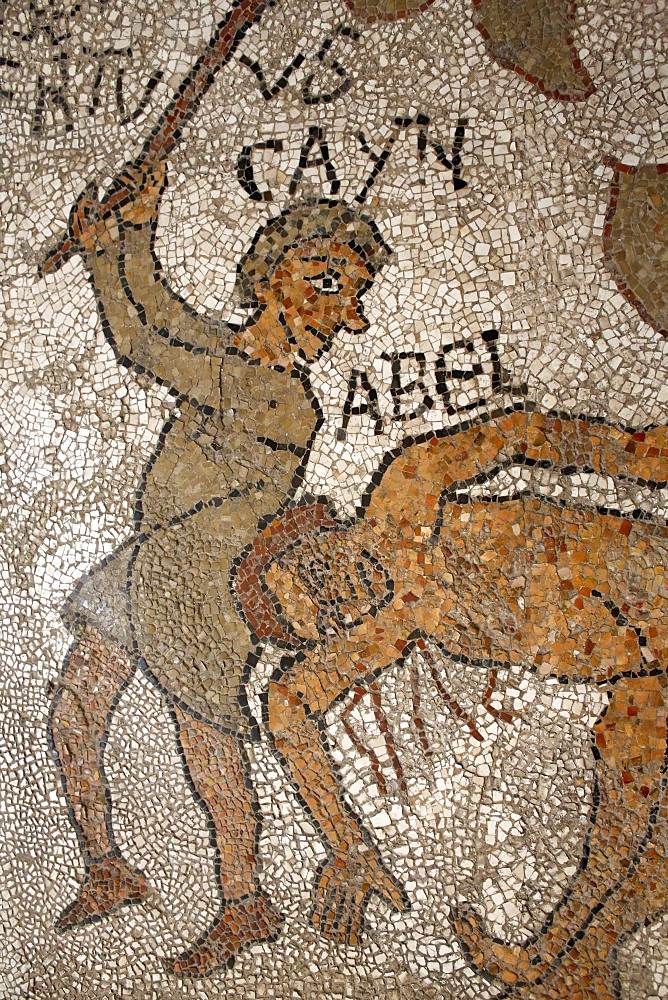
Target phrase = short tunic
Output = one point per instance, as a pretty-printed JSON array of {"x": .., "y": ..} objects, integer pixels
[{"x": 165, "y": 594}]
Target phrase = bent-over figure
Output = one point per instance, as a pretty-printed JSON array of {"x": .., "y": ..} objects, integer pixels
[{"x": 577, "y": 594}]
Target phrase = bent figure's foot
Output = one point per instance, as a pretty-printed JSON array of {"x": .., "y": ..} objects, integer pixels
[
  {"x": 109, "y": 884},
  {"x": 240, "y": 922},
  {"x": 511, "y": 963},
  {"x": 343, "y": 890}
]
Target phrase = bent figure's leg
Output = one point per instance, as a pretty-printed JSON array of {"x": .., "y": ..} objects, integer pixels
[
  {"x": 86, "y": 695},
  {"x": 587, "y": 972},
  {"x": 629, "y": 748},
  {"x": 621, "y": 630},
  {"x": 590, "y": 968},
  {"x": 219, "y": 772}
]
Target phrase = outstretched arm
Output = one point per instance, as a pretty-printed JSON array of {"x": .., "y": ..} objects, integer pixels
[
  {"x": 417, "y": 477},
  {"x": 145, "y": 321}
]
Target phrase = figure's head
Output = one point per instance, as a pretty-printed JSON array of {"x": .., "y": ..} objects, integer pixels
[{"x": 307, "y": 270}]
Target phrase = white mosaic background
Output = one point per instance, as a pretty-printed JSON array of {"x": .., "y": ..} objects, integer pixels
[{"x": 519, "y": 249}]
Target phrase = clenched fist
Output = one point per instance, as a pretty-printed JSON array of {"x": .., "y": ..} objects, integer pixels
[{"x": 133, "y": 199}]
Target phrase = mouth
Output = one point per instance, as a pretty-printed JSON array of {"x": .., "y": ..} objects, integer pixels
[{"x": 358, "y": 329}]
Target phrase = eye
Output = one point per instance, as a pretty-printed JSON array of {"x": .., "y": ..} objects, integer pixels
[{"x": 326, "y": 283}]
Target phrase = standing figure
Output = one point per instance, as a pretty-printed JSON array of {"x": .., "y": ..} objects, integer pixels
[{"x": 228, "y": 459}]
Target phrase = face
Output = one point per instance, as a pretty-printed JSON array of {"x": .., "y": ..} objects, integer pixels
[{"x": 316, "y": 289}]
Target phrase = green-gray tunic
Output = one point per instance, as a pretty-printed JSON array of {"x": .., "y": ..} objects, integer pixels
[{"x": 227, "y": 458}]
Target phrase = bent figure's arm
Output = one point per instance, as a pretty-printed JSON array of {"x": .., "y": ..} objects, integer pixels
[{"x": 416, "y": 478}]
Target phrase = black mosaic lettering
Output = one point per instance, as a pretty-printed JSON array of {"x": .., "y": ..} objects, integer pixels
[
  {"x": 359, "y": 386},
  {"x": 334, "y": 473}
]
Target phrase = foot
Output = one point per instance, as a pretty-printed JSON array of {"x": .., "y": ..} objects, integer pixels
[
  {"x": 109, "y": 884},
  {"x": 343, "y": 889},
  {"x": 240, "y": 922},
  {"x": 513, "y": 964}
]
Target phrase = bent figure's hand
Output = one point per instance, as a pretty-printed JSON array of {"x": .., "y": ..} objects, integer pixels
[
  {"x": 513, "y": 964},
  {"x": 94, "y": 224},
  {"x": 343, "y": 889}
]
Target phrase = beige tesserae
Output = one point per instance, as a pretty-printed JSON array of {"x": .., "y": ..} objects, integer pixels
[{"x": 334, "y": 474}]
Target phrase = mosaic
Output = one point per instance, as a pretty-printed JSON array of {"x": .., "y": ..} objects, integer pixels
[{"x": 334, "y": 465}]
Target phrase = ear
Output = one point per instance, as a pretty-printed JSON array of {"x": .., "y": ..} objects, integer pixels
[{"x": 264, "y": 293}]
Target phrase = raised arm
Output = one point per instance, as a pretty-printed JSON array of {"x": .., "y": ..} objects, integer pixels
[
  {"x": 418, "y": 476},
  {"x": 148, "y": 325}
]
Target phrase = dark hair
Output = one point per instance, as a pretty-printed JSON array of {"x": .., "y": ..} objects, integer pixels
[{"x": 313, "y": 220}]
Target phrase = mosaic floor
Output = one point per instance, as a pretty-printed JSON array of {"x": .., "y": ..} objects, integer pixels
[{"x": 334, "y": 464}]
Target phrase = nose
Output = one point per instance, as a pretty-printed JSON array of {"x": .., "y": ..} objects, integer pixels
[{"x": 354, "y": 318}]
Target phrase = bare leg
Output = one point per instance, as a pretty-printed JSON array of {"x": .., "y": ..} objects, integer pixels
[
  {"x": 218, "y": 769},
  {"x": 598, "y": 640},
  {"x": 587, "y": 972},
  {"x": 86, "y": 695},
  {"x": 589, "y": 969},
  {"x": 630, "y": 741}
]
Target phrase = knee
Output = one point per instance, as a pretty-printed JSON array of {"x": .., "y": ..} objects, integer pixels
[
  {"x": 286, "y": 708},
  {"x": 96, "y": 666},
  {"x": 58, "y": 713},
  {"x": 63, "y": 692},
  {"x": 87, "y": 690}
]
